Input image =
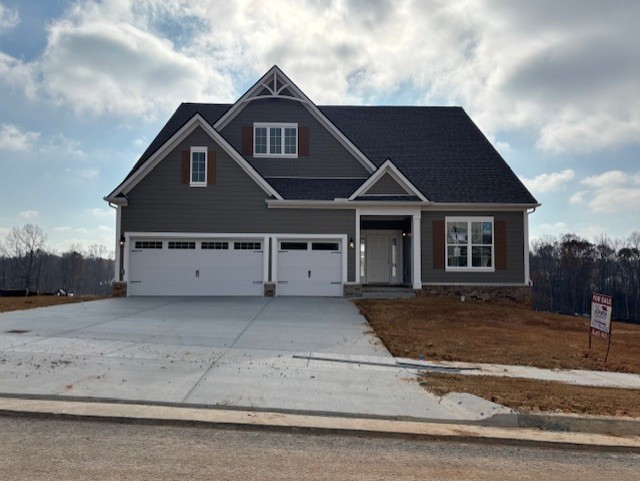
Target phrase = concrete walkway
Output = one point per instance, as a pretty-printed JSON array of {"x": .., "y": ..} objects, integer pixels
[{"x": 568, "y": 376}]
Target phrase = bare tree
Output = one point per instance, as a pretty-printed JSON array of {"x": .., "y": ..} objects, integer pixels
[{"x": 26, "y": 245}]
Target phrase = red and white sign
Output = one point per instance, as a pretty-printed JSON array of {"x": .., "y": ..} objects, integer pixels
[{"x": 601, "y": 307}]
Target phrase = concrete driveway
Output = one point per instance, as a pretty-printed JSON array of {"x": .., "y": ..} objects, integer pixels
[{"x": 246, "y": 352}]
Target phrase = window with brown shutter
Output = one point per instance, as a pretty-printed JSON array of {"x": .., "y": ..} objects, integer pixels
[
  {"x": 303, "y": 141},
  {"x": 438, "y": 245},
  {"x": 247, "y": 140},
  {"x": 500, "y": 244},
  {"x": 186, "y": 166},
  {"x": 211, "y": 167}
]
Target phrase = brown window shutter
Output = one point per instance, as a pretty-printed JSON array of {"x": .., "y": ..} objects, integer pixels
[
  {"x": 211, "y": 167},
  {"x": 247, "y": 140},
  {"x": 303, "y": 141},
  {"x": 438, "y": 245},
  {"x": 500, "y": 240},
  {"x": 186, "y": 168}
]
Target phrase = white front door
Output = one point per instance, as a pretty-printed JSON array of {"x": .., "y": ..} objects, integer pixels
[
  {"x": 377, "y": 258},
  {"x": 382, "y": 257}
]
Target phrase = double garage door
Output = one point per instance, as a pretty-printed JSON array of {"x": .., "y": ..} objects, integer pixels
[
  {"x": 188, "y": 267},
  {"x": 228, "y": 267}
]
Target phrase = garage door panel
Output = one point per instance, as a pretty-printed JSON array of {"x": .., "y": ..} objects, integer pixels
[
  {"x": 195, "y": 272},
  {"x": 309, "y": 272}
]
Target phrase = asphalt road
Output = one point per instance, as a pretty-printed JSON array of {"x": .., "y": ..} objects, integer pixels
[{"x": 35, "y": 449}]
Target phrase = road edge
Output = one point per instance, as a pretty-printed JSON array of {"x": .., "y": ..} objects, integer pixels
[{"x": 300, "y": 423}]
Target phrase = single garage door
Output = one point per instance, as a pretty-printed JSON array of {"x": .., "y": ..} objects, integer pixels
[
  {"x": 198, "y": 267},
  {"x": 309, "y": 268}
]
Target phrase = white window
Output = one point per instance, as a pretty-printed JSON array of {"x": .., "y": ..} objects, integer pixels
[
  {"x": 279, "y": 140},
  {"x": 470, "y": 243},
  {"x": 198, "y": 172}
]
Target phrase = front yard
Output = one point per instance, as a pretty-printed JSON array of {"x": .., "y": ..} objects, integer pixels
[
  {"x": 21, "y": 303},
  {"x": 444, "y": 328}
]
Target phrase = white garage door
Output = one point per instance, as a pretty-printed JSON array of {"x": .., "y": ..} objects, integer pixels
[
  {"x": 309, "y": 268},
  {"x": 202, "y": 267}
]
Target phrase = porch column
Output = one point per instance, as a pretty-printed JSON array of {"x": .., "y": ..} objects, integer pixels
[
  {"x": 118, "y": 260},
  {"x": 416, "y": 251},
  {"x": 357, "y": 249}
]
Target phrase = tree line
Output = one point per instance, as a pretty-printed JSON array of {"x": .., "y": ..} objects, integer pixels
[
  {"x": 565, "y": 272},
  {"x": 26, "y": 263}
]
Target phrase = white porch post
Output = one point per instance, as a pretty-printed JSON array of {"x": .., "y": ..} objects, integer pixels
[
  {"x": 527, "y": 278},
  {"x": 416, "y": 254},
  {"x": 118, "y": 233},
  {"x": 357, "y": 247}
]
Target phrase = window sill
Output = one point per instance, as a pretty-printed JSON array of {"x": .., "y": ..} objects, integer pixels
[
  {"x": 276, "y": 156},
  {"x": 470, "y": 269},
  {"x": 198, "y": 185}
]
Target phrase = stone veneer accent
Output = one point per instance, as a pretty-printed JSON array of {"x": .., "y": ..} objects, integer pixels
[
  {"x": 119, "y": 289},
  {"x": 518, "y": 294},
  {"x": 352, "y": 290},
  {"x": 269, "y": 289}
]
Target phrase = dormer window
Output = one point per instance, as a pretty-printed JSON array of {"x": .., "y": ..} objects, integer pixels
[{"x": 275, "y": 140}]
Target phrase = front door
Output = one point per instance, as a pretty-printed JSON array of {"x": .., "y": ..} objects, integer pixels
[{"x": 378, "y": 258}]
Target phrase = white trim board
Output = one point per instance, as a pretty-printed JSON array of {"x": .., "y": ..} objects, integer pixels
[
  {"x": 196, "y": 121},
  {"x": 388, "y": 167}
]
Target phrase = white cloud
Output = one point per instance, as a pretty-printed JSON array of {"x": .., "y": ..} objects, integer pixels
[
  {"x": 88, "y": 174},
  {"x": 12, "y": 138},
  {"x": 102, "y": 213},
  {"x": 8, "y": 18},
  {"x": 62, "y": 228},
  {"x": 566, "y": 73},
  {"x": 19, "y": 75},
  {"x": 556, "y": 228},
  {"x": 612, "y": 191},
  {"x": 61, "y": 145},
  {"x": 99, "y": 60},
  {"x": 549, "y": 182},
  {"x": 578, "y": 197},
  {"x": 29, "y": 214},
  {"x": 612, "y": 178},
  {"x": 105, "y": 228}
]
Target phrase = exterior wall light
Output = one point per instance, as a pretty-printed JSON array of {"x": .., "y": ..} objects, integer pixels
[
  {"x": 352, "y": 245},
  {"x": 121, "y": 241}
]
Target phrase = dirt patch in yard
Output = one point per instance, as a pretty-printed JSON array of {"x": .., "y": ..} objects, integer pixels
[
  {"x": 444, "y": 328},
  {"x": 527, "y": 395},
  {"x": 21, "y": 303}
]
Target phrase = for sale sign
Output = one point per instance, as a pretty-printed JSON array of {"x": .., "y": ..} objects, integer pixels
[{"x": 601, "y": 315}]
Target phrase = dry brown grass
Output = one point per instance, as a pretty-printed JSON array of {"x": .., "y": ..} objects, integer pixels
[
  {"x": 21, "y": 303},
  {"x": 444, "y": 328},
  {"x": 474, "y": 331},
  {"x": 535, "y": 396}
]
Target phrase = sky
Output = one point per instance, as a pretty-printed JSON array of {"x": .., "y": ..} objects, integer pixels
[{"x": 86, "y": 85}]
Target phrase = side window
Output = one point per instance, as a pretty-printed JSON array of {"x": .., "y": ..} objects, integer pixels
[
  {"x": 469, "y": 243},
  {"x": 198, "y": 167}
]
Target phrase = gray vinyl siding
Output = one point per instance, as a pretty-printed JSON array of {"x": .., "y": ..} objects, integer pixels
[
  {"x": 514, "y": 274},
  {"x": 386, "y": 185},
  {"x": 235, "y": 204},
  {"x": 327, "y": 157}
]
